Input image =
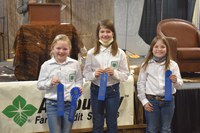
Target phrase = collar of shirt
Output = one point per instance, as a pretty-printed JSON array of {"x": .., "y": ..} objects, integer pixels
[
  {"x": 53, "y": 61},
  {"x": 103, "y": 49},
  {"x": 153, "y": 61}
]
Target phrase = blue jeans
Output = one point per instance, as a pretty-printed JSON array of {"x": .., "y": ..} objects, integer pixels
[
  {"x": 109, "y": 107},
  {"x": 160, "y": 119},
  {"x": 58, "y": 124}
]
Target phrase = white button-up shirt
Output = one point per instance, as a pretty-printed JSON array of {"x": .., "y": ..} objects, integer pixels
[
  {"x": 68, "y": 72},
  {"x": 152, "y": 80},
  {"x": 103, "y": 60}
]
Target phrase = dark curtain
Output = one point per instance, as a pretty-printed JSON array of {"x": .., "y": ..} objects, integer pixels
[
  {"x": 187, "y": 111},
  {"x": 150, "y": 17},
  {"x": 182, "y": 9}
]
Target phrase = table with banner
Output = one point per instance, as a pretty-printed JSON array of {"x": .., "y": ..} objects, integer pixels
[{"x": 23, "y": 110}]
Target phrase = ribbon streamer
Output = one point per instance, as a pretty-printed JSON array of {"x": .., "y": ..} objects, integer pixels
[
  {"x": 60, "y": 99},
  {"x": 168, "y": 86},
  {"x": 102, "y": 87}
]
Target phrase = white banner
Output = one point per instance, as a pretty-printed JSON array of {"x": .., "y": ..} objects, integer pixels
[{"x": 23, "y": 110}]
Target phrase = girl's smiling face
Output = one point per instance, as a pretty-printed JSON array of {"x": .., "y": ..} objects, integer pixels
[
  {"x": 105, "y": 34},
  {"x": 159, "y": 49},
  {"x": 61, "y": 51}
]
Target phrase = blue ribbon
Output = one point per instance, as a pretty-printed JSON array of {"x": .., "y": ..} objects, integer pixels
[
  {"x": 168, "y": 86},
  {"x": 60, "y": 99},
  {"x": 75, "y": 94},
  {"x": 102, "y": 87}
]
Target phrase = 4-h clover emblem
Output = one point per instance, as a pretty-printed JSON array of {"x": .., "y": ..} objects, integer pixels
[
  {"x": 71, "y": 77},
  {"x": 19, "y": 111},
  {"x": 114, "y": 64}
]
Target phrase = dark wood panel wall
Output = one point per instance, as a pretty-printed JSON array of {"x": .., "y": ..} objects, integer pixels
[{"x": 83, "y": 14}]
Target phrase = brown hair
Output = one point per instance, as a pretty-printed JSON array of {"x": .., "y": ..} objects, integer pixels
[
  {"x": 107, "y": 23},
  {"x": 150, "y": 53},
  {"x": 61, "y": 37}
]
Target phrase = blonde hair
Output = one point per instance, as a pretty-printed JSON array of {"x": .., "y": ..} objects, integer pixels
[
  {"x": 61, "y": 37},
  {"x": 150, "y": 53}
]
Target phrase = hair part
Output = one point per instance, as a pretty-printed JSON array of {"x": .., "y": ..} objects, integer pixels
[
  {"x": 150, "y": 52},
  {"x": 108, "y": 24}
]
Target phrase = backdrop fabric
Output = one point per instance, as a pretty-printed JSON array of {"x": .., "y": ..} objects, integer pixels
[{"x": 156, "y": 10}]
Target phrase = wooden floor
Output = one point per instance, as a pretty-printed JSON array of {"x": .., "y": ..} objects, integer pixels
[{"x": 138, "y": 128}]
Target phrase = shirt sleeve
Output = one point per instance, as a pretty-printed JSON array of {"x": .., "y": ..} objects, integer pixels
[
  {"x": 44, "y": 82},
  {"x": 176, "y": 71},
  {"x": 87, "y": 71},
  {"x": 141, "y": 86}
]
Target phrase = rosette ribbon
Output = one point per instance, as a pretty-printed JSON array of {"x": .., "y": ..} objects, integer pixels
[{"x": 75, "y": 94}]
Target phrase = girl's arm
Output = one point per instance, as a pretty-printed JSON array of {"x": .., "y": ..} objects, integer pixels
[
  {"x": 141, "y": 86},
  {"x": 44, "y": 82},
  {"x": 88, "y": 72},
  {"x": 176, "y": 77}
]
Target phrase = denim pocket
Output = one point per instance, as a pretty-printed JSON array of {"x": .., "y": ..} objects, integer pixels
[{"x": 115, "y": 88}]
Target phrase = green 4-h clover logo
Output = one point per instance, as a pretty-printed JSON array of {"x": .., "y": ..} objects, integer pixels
[
  {"x": 114, "y": 64},
  {"x": 71, "y": 77},
  {"x": 19, "y": 111}
]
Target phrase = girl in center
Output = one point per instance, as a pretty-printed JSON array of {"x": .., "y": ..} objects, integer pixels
[
  {"x": 105, "y": 57},
  {"x": 59, "y": 69}
]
